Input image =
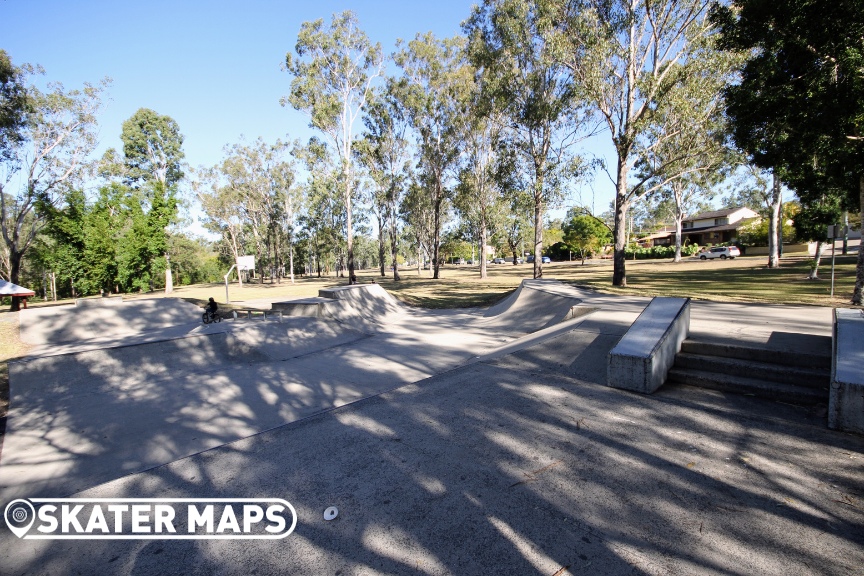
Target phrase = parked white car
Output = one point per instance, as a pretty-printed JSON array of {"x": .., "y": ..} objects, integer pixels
[{"x": 722, "y": 252}]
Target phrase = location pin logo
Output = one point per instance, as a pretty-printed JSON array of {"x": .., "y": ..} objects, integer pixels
[{"x": 19, "y": 515}]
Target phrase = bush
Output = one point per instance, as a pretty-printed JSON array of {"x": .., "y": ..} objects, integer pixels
[{"x": 656, "y": 252}]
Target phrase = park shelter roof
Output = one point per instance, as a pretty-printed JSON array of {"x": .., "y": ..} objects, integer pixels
[{"x": 10, "y": 289}]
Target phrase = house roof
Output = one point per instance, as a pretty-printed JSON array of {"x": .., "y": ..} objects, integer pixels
[
  {"x": 660, "y": 234},
  {"x": 10, "y": 289},
  {"x": 722, "y": 228},
  {"x": 716, "y": 213}
]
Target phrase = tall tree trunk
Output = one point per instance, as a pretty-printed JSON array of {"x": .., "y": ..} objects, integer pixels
[
  {"x": 619, "y": 273},
  {"x": 14, "y": 273},
  {"x": 291, "y": 259},
  {"x": 846, "y": 232},
  {"x": 679, "y": 218},
  {"x": 773, "y": 223},
  {"x": 858, "y": 293},
  {"x": 820, "y": 249},
  {"x": 482, "y": 247},
  {"x": 352, "y": 278},
  {"x": 538, "y": 227},
  {"x": 382, "y": 235},
  {"x": 394, "y": 249},
  {"x": 436, "y": 234}
]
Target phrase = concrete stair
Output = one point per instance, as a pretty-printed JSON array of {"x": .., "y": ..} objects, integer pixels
[{"x": 784, "y": 375}]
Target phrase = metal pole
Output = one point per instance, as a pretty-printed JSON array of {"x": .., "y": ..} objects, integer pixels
[
  {"x": 227, "y": 299},
  {"x": 833, "y": 251}
]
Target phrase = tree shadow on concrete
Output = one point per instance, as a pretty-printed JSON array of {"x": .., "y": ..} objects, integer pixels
[{"x": 495, "y": 469}]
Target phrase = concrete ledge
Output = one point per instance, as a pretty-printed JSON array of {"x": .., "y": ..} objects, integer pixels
[
  {"x": 846, "y": 400},
  {"x": 99, "y": 302},
  {"x": 309, "y": 307},
  {"x": 642, "y": 358}
]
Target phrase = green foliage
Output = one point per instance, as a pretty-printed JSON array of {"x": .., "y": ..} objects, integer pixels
[
  {"x": 49, "y": 150},
  {"x": 659, "y": 251},
  {"x": 117, "y": 241},
  {"x": 153, "y": 149},
  {"x": 13, "y": 105},
  {"x": 756, "y": 233},
  {"x": 586, "y": 235},
  {"x": 812, "y": 221},
  {"x": 798, "y": 107},
  {"x": 559, "y": 251},
  {"x": 193, "y": 260},
  {"x": 455, "y": 248}
]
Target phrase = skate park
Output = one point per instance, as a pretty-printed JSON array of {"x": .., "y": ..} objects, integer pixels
[{"x": 452, "y": 442}]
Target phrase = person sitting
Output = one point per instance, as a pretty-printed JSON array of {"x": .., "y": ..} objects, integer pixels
[{"x": 212, "y": 307}]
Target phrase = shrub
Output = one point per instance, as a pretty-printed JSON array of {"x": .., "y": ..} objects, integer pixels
[{"x": 656, "y": 252}]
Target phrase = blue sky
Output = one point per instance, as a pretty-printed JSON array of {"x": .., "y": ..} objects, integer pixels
[{"x": 212, "y": 66}]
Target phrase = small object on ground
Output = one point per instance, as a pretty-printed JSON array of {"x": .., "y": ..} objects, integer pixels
[{"x": 331, "y": 513}]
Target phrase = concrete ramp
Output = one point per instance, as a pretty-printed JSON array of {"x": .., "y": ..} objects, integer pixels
[
  {"x": 360, "y": 303},
  {"x": 535, "y": 305},
  {"x": 104, "y": 317}
]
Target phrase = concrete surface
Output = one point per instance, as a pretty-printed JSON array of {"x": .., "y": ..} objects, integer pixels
[
  {"x": 520, "y": 463},
  {"x": 846, "y": 403},
  {"x": 82, "y": 414},
  {"x": 63, "y": 324},
  {"x": 642, "y": 358}
]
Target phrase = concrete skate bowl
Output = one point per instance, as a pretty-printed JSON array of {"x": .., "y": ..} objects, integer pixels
[
  {"x": 79, "y": 419},
  {"x": 533, "y": 306},
  {"x": 104, "y": 318}
]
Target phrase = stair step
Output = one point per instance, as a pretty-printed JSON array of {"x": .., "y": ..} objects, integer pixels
[
  {"x": 785, "y": 374},
  {"x": 803, "y": 359},
  {"x": 740, "y": 385}
]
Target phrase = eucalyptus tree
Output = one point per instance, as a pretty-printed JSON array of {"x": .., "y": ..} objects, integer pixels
[
  {"x": 333, "y": 74},
  {"x": 254, "y": 179},
  {"x": 152, "y": 149},
  {"x": 624, "y": 54},
  {"x": 798, "y": 106},
  {"x": 46, "y": 158},
  {"x": 323, "y": 220},
  {"x": 517, "y": 46},
  {"x": 684, "y": 151},
  {"x": 223, "y": 211},
  {"x": 761, "y": 190},
  {"x": 423, "y": 221},
  {"x": 435, "y": 90},
  {"x": 152, "y": 164},
  {"x": 385, "y": 152},
  {"x": 479, "y": 196},
  {"x": 283, "y": 176}
]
